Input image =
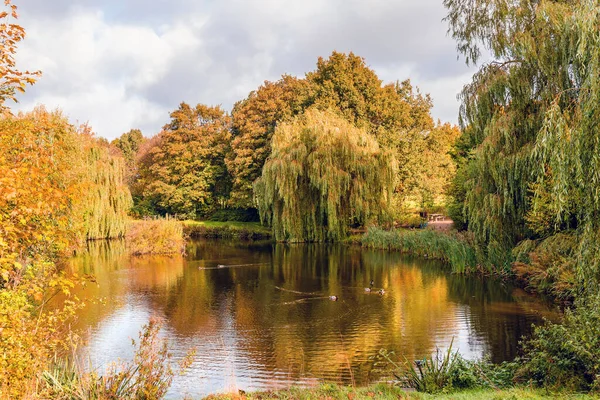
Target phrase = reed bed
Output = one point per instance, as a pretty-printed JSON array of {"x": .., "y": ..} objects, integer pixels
[{"x": 453, "y": 248}]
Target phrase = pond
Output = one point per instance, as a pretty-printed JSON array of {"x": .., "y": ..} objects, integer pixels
[{"x": 260, "y": 316}]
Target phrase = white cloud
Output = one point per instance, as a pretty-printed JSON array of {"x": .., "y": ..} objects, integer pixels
[{"x": 106, "y": 63}]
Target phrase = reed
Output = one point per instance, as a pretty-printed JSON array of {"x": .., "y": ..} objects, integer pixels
[
  {"x": 155, "y": 236},
  {"x": 452, "y": 248}
]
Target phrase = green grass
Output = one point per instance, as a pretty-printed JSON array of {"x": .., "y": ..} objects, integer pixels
[
  {"x": 382, "y": 391},
  {"x": 226, "y": 230},
  {"x": 453, "y": 248}
]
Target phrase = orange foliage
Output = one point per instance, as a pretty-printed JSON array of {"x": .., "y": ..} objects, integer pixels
[
  {"x": 11, "y": 79},
  {"x": 39, "y": 190}
]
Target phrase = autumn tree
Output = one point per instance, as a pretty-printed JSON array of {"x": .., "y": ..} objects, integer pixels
[
  {"x": 128, "y": 144},
  {"x": 12, "y": 80},
  {"x": 428, "y": 166},
  {"x": 183, "y": 171},
  {"x": 323, "y": 174},
  {"x": 253, "y": 122},
  {"x": 393, "y": 113},
  {"x": 345, "y": 83}
]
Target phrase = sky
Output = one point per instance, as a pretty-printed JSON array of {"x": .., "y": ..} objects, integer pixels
[{"x": 123, "y": 64}]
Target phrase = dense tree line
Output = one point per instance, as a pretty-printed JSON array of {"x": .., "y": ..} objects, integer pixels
[
  {"x": 205, "y": 160},
  {"x": 527, "y": 186}
]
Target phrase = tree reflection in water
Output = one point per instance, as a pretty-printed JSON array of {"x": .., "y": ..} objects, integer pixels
[{"x": 260, "y": 313}]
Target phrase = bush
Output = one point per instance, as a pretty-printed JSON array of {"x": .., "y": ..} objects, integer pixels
[
  {"x": 566, "y": 355},
  {"x": 548, "y": 266},
  {"x": 226, "y": 230},
  {"x": 448, "y": 371},
  {"x": 235, "y": 215},
  {"x": 148, "y": 376},
  {"x": 155, "y": 236},
  {"x": 453, "y": 248}
]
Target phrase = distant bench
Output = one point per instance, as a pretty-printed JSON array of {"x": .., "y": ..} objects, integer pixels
[{"x": 437, "y": 217}]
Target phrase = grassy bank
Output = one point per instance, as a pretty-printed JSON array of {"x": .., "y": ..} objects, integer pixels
[
  {"x": 382, "y": 391},
  {"x": 226, "y": 230},
  {"x": 453, "y": 248}
]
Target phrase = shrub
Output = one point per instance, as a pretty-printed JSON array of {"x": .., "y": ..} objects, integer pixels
[
  {"x": 449, "y": 371},
  {"x": 155, "y": 236},
  {"x": 566, "y": 355},
  {"x": 226, "y": 230},
  {"x": 236, "y": 215},
  {"x": 147, "y": 376},
  {"x": 548, "y": 266}
]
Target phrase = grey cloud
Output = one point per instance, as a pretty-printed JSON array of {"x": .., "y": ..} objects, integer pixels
[{"x": 224, "y": 49}]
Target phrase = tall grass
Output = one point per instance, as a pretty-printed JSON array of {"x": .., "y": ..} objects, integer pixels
[
  {"x": 155, "y": 236},
  {"x": 453, "y": 248},
  {"x": 447, "y": 371},
  {"x": 147, "y": 376}
]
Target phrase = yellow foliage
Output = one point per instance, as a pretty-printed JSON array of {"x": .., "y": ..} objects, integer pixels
[
  {"x": 47, "y": 200},
  {"x": 156, "y": 236}
]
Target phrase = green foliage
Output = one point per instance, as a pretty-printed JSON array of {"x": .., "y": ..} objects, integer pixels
[
  {"x": 323, "y": 173},
  {"x": 454, "y": 248},
  {"x": 549, "y": 265},
  {"x": 532, "y": 117},
  {"x": 566, "y": 355},
  {"x": 226, "y": 230},
  {"x": 108, "y": 199},
  {"x": 447, "y": 372},
  {"x": 235, "y": 215},
  {"x": 183, "y": 170},
  {"x": 155, "y": 236},
  {"x": 128, "y": 145},
  {"x": 344, "y": 83},
  {"x": 397, "y": 115}
]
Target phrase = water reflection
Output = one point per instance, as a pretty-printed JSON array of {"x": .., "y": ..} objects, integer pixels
[{"x": 260, "y": 314}]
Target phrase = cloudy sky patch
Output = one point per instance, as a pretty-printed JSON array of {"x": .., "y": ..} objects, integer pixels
[{"x": 126, "y": 64}]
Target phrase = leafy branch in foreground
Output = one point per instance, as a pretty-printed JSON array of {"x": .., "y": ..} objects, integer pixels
[
  {"x": 11, "y": 79},
  {"x": 148, "y": 376}
]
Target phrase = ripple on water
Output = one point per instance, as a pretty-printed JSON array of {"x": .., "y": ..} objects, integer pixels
[{"x": 269, "y": 323}]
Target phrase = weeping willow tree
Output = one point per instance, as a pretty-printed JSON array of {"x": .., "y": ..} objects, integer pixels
[
  {"x": 107, "y": 199},
  {"x": 322, "y": 175},
  {"x": 531, "y": 116}
]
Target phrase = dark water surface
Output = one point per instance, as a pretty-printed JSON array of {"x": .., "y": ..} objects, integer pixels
[{"x": 264, "y": 319}]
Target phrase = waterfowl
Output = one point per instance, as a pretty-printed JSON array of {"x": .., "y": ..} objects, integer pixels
[
  {"x": 367, "y": 289},
  {"x": 371, "y": 283},
  {"x": 333, "y": 298},
  {"x": 381, "y": 292},
  {"x": 220, "y": 266}
]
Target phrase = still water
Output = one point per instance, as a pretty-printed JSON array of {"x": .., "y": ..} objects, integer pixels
[{"x": 260, "y": 316}]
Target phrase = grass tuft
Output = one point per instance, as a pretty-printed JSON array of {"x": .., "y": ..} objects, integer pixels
[{"x": 155, "y": 236}]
